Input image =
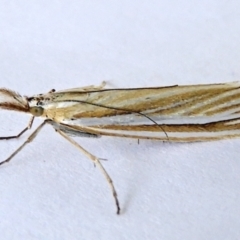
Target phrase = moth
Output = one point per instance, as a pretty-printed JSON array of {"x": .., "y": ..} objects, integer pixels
[{"x": 176, "y": 113}]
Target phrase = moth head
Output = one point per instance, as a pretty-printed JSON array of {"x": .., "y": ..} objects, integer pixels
[{"x": 36, "y": 111}]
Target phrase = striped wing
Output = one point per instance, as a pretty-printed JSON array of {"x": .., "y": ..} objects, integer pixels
[{"x": 174, "y": 113}]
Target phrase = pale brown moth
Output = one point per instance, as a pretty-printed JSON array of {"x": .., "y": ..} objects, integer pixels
[{"x": 175, "y": 113}]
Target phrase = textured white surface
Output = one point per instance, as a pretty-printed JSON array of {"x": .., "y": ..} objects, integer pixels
[{"x": 167, "y": 191}]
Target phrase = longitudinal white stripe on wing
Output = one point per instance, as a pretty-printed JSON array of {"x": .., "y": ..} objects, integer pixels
[
  {"x": 59, "y": 105},
  {"x": 172, "y": 136},
  {"x": 217, "y": 104},
  {"x": 214, "y": 103},
  {"x": 233, "y": 122},
  {"x": 133, "y": 119}
]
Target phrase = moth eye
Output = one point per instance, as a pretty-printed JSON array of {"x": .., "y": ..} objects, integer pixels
[{"x": 36, "y": 111}]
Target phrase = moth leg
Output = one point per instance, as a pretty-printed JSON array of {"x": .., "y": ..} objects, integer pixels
[
  {"x": 97, "y": 162},
  {"x": 22, "y": 132},
  {"x": 30, "y": 139},
  {"x": 92, "y": 87}
]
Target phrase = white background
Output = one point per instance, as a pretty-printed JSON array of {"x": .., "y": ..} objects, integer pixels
[{"x": 166, "y": 190}]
